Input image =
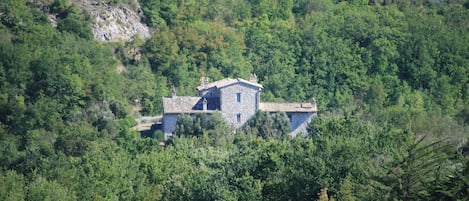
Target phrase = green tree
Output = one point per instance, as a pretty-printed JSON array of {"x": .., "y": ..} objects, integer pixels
[
  {"x": 161, "y": 51},
  {"x": 12, "y": 186},
  {"x": 42, "y": 189},
  {"x": 104, "y": 173},
  {"x": 184, "y": 126},
  {"x": 160, "y": 12},
  {"x": 454, "y": 187},
  {"x": 218, "y": 129},
  {"x": 75, "y": 140},
  {"x": 269, "y": 126},
  {"x": 346, "y": 190},
  {"x": 410, "y": 177},
  {"x": 76, "y": 22}
]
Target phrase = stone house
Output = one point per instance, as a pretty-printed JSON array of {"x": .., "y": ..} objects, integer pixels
[{"x": 237, "y": 100}]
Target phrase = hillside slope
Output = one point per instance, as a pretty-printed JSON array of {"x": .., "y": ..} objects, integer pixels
[
  {"x": 391, "y": 79},
  {"x": 115, "y": 22}
]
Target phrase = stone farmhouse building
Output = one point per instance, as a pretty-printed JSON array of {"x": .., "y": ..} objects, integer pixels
[{"x": 237, "y": 100}]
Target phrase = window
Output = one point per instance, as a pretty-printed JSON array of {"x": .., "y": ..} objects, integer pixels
[
  {"x": 238, "y": 117},
  {"x": 238, "y": 97}
]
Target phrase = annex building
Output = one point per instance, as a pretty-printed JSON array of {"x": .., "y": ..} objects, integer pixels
[{"x": 237, "y": 100}]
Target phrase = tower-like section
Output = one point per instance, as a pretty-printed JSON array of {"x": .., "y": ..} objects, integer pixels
[
  {"x": 238, "y": 99},
  {"x": 238, "y": 103}
]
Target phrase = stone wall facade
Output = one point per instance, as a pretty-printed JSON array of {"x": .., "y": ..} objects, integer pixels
[
  {"x": 169, "y": 123},
  {"x": 299, "y": 122},
  {"x": 238, "y": 111}
]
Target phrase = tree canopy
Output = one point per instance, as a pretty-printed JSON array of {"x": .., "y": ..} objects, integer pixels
[{"x": 390, "y": 77}]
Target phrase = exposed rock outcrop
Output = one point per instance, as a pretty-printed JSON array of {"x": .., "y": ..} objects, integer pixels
[{"x": 115, "y": 22}]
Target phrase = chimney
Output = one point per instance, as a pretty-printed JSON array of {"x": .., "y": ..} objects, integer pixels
[
  {"x": 204, "y": 81},
  {"x": 313, "y": 103},
  {"x": 173, "y": 92},
  {"x": 253, "y": 78},
  {"x": 204, "y": 106}
]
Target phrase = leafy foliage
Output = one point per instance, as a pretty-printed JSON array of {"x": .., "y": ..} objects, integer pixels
[
  {"x": 269, "y": 126},
  {"x": 390, "y": 77}
]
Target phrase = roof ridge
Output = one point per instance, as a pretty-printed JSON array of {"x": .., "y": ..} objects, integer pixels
[{"x": 226, "y": 82}]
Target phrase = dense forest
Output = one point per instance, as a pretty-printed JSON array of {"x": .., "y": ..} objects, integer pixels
[{"x": 391, "y": 79}]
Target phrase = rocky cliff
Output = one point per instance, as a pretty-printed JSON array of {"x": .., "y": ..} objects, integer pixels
[{"x": 115, "y": 22}]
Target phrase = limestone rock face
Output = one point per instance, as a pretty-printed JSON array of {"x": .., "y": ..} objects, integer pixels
[
  {"x": 118, "y": 23},
  {"x": 115, "y": 22}
]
